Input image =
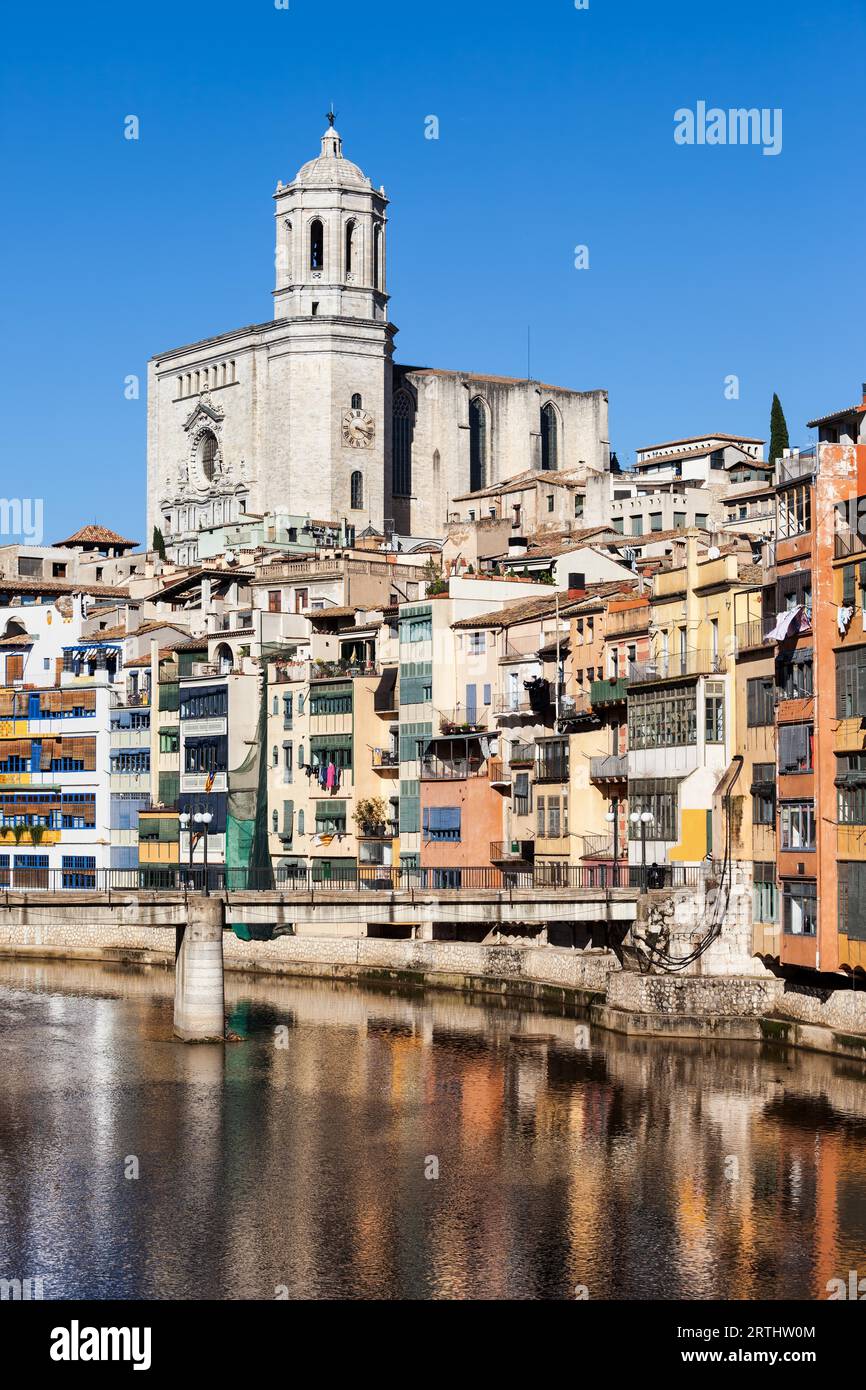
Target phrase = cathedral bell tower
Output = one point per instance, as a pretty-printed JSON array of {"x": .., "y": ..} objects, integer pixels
[
  {"x": 330, "y": 244},
  {"x": 331, "y": 312}
]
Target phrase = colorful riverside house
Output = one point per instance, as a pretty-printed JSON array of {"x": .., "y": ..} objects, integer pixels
[
  {"x": 681, "y": 714},
  {"x": 54, "y": 732},
  {"x": 219, "y": 746},
  {"x": 626, "y": 644},
  {"x": 817, "y": 598},
  {"x": 332, "y": 803},
  {"x": 450, "y": 811},
  {"x": 751, "y": 809}
]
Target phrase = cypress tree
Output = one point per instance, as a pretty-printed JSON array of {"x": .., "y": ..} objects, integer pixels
[
  {"x": 778, "y": 430},
  {"x": 158, "y": 542}
]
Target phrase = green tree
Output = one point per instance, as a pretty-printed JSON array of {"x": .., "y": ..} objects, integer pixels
[
  {"x": 158, "y": 542},
  {"x": 778, "y": 430}
]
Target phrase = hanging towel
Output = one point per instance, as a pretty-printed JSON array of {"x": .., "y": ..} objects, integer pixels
[{"x": 331, "y": 774}]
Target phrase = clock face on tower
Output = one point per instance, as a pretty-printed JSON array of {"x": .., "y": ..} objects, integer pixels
[{"x": 358, "y": 429}]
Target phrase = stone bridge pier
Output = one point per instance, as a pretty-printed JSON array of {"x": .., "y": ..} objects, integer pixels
[{"x": 199, "y": 987}]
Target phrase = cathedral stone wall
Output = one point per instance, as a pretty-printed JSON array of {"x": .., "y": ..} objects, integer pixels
[{"x": 441, "y": 435}]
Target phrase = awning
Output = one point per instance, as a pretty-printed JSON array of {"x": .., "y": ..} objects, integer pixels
[{"x": 383, "y": 698}]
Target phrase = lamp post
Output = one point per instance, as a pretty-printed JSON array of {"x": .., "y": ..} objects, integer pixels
[
  {"x": 184, "y": 819},
  {"x": 644, "y": 819},
  {"x": 613, "y": 817},
  {"x": 204, "y": 818}
]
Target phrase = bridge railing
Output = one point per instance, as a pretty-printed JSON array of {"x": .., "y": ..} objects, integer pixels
[{"x": 351, "y": 879}]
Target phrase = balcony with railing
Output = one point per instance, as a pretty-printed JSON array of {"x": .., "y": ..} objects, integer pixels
[
  {"x": 520, "y": 646},
  {"x": 286, "y": 672},
  {"x": 384, "y": 830},
  {"x": 574, "y": 707},
  {"x": 499, "y": 774},
  {"x": 612, "y": 768},
  {"x": 463, "y": 721},
  {"x": 676, "y": 665},
  {"x": 386, "y": 760},
  {"x": 613, "y": 691},
  {"x": 749, "y": 636},
  {"x": 512, "y": 706},
  {"x": 451, "y": 769},
  {"x": 512, "y": 851},
  {"x": 522, "y": 755},
  {"x": 551, "y": 762},
  {"x": 342, "y": 670}
]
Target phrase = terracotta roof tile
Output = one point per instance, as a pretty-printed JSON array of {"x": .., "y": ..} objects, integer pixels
[{"x": 96, "y": 535}]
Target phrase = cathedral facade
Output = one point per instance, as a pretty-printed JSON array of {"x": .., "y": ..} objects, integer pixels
[{"x": 307, "y": 414}]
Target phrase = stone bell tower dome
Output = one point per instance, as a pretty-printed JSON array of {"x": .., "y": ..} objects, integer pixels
[{"x": 330, "y": 242}]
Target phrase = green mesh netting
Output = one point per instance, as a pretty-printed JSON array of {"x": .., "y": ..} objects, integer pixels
[{"x": 247, "y": 811}]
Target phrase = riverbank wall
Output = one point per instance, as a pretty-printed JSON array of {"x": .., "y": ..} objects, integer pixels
[{"x": 588, "y": 983}]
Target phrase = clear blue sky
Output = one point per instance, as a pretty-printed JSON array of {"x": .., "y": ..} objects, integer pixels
[{"x": 556, "y": 129}]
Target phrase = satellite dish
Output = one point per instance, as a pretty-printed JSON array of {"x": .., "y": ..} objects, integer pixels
[{"x": 713, "y": 553}]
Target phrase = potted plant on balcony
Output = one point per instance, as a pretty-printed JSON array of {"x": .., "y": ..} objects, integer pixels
[{"x": 370, "y": 816}]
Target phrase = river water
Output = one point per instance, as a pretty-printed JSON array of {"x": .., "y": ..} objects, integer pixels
[{"x": 362, "y": 1144}]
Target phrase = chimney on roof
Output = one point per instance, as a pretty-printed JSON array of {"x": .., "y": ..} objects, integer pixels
[
  {"x": 517, "y": 547},
  {"x": 576, "y": 585}
]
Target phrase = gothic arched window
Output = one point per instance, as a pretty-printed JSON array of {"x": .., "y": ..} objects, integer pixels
[
  {"x": 356, "y": 401},
  {"x": 317, "y": 245},
  {"x": 350, "y": 246},
  {"x": 549, "y": 438},
  {"x": 208, "y": 454},
  {"x": 357, "y": 500},
  {"x": 479, "y": 444},
  {"x": 401, "y": 445}
]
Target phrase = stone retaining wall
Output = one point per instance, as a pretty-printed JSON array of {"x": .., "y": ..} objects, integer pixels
[
  {"x": 666, "y": 1004},
  {"x": 726, "y": 996}
]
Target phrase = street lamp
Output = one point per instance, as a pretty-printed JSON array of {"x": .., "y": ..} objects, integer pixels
[
  {"x": 644, "y": 819},
  {"x": 184, "y": 819},
  {"x": 204, "y": 818},
  {"x": 613, "y": 817}
]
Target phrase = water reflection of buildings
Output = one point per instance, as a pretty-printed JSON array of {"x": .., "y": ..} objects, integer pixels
[{"x": 560, "y": 1163}]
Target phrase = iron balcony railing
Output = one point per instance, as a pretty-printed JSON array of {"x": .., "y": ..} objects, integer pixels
[
  {"x": 553, "y": 769},
  {"x": 521, "y": 755},
  {"x": 672, "y": 665},
  {"x": 613, "y": 768},
  {"x": 498, "y": 771},
  {"x": 750, "y": 635},
  {"x": 385, "y": 758},
  {"x": 512, "y": 851},
  {"x": 462, "y": 721},
  {"x": 322, "y": 877},
  {"x": 331, "y": 670},
  {"x": 511, "y": 704},
  {"x": 435, "y": 769}
]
